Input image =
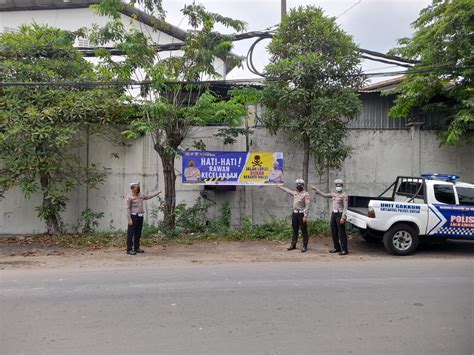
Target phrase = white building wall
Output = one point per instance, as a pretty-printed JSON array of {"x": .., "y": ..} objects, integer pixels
[{"x": 74, "y": 19}]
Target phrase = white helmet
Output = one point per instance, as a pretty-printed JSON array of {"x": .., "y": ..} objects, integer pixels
[
  {"x": 338, "y": 182},
  {"x": 299, "y": 182}
]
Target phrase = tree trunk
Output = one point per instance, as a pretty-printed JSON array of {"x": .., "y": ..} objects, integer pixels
[
  {"x": 50, "y": 217},
  {"x": 169, "y": 217},
  {"x": 306, "y": 160}
]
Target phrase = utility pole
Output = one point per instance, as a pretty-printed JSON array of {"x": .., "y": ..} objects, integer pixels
[{"x": 283, "y": 9}]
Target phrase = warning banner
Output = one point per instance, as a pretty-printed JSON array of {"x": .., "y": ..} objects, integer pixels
[{"x": 232, "y": 168}]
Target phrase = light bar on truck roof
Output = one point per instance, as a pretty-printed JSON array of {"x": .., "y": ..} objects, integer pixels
[{"x": 440, "y": 177}]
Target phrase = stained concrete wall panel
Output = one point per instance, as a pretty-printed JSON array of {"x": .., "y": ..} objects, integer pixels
[
  {"x": 446, "y": 158},
  {"x": 378, "y": 157},
  {"x": 18, "y": 216}
]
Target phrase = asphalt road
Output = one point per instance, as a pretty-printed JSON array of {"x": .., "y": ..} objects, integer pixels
[{"x": 401, "y": 306}]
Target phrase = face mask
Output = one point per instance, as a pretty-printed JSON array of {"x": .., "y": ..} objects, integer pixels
[
  {"x": 338, "y": 188},
  {"x": 299, "y": 188}
]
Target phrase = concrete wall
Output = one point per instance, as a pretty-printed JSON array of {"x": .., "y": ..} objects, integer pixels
[{"x": 378, "y": 157}]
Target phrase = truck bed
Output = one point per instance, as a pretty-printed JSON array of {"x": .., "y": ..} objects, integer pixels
[
  {"x": 359, "y": 210},
  {"x": 360, "y": 204}
]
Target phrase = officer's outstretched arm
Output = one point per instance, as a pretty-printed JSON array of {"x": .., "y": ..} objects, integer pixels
[
  {"x": 281, "y": 187},
  {"x": 320, "y": 193},
  {"x": 147, "y": 197}
]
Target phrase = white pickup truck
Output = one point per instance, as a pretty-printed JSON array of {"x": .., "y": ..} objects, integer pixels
[{"x": 430, "y": 206}]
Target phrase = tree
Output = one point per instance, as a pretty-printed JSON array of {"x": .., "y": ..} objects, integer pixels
[
  {"x": 175, "y": 100},
  {"x": 41, "y": 126},
  {"x": 311, "y": 86},
  {"x": 443, "y": 44}
]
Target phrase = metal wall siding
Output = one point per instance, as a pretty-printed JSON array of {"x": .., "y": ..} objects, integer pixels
[{"x": 374, "y": 115}]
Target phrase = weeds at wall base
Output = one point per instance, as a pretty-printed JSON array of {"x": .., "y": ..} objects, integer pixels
[
  {"x": 278, "y": 229},
  {"x": 191, "y": 226}
]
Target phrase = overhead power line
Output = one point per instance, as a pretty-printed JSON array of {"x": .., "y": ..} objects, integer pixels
[
  {"x": 405, "y": 65},
  {"x": 234, "y": 81},
  {"x": 386, "y": 56},
  {"x": 167, "y": 47},
  {"x": 348, "y": 9},
  {"x": 92, "y": 51}
]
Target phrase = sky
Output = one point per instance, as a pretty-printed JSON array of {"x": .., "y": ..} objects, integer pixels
[{"x": 373, "y": 24}]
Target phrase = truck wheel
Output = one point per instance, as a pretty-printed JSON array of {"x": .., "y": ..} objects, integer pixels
[
  {"x": 401, "y": 239},
  {"x": 370, "y": 237}
]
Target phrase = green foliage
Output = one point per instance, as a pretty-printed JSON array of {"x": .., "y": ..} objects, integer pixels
[
  {"x": 176, "y": 100},
  {"x": 42, "y": 126},
  {"x": 443, "y": 43},
  {"x": 192, "y": 219},
  {"x": 224, "y": 218},
  {"x": 276, "y": 229},
  {"x": 90, "y": 220},
  {"x": 313, "y": 78},
  {"x": 150, "y": 230},
  {"x": 229, "y": 135},
  {"x": 319, "y": 227},
  {"x": 188, "y": 219},
  {"x": 222, "y": 224}
]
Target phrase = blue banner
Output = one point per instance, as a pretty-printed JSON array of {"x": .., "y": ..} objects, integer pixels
[{"x": 232, "y": 168}]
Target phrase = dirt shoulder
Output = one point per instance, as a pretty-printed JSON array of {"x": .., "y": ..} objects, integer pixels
[{"x": 31, "y": 253}]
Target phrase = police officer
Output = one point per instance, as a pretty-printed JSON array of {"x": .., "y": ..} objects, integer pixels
[
  {"x": 338, "y": 216},
  {"x": 299, "y": 219},
  {"x": 135, "y": 212}
]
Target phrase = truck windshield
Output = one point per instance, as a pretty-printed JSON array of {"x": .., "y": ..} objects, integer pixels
[
  {"x": 466, "y": 195},
  {"x": 444, "y": 194}
]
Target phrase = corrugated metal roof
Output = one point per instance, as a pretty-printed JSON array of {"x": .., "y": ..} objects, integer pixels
[
  {"x": 18, "y": 5},
  {"x": 384, "y": 85}
]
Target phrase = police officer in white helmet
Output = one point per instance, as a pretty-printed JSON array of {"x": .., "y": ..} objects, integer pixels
[
  {"x": 338, "y": 216},
  {"x": 135, "y": 213},
  {"x": 301, "y": 202}
]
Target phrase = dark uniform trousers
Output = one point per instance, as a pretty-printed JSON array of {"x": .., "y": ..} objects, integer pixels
[
  {"x": 297, "y": 222},
  {"x": 134, "y": 233},
  {"x": 338, "y": 231}
]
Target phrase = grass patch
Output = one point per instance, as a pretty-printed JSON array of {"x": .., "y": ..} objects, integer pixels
[{"x": 276, "y": 229}]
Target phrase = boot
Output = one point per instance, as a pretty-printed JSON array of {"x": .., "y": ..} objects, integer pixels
[{"x": 292, "y": 247}]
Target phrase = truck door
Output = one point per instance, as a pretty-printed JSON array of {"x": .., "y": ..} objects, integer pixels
[
  {"x": 463, "y": 222},
  {"x": 449, "y": 218}
]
